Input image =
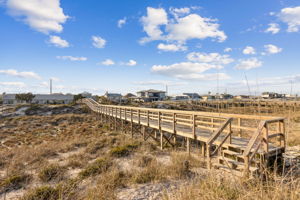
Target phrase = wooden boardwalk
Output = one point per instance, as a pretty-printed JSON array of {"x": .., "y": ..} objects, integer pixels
[{"x": 240, "y": 143}]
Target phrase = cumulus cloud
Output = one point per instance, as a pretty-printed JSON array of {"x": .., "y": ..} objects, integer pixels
[
  {"x": 13, "y": 72},
  {"x": 189, "y": 71},
  {"x": 180, "y": 29},
  {"x": 214, "y": 58},
  {"x": 71, "y": 58},
  {"x": 41, "y": 15},
  {"x": 58, "y": 42},
  {"x": 227, "y": 49},
  {"x": 152, "y": 22},
  {"x": 291, "y": 16},
  {"x": 98, "y": 42},
  {"x": 171, "y": 47},
  {"x": 273, "y": 28},
  {"x": 131, "y": 63},
  {"x": 272, "y": 49},
  {"x": 122, "y": 22},
  {"x": 247, "y": 64},
  {"x": 249, "y": 50},
  {"x": 108, "y": 62}
]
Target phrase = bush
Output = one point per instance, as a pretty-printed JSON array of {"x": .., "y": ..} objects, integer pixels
[
  {"x": 97, "y": 167},
  {"x": 42, "y": 193},
  {"x": 122, "y": 151},
  {"x": 14, "y": 182},
  {"x": 52, "y": 172}
]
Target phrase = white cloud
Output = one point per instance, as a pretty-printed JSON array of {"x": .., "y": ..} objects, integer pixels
[
  {"x": 247, "y": 64},
  {"x": 122, "y": 22},
  {"x": 71, "y": 58},
  {"x": 131, "y": 63},
  {"x": 12, "y": 72},
  {"x": 194, "y": 26},
  {"x": 249, "y": 50},
  {"x": 58, "y": 42},
  {"x": 214, "y": 58},
  {"x": 171, "y": 47},
  {"x": 155, "y": 18},
  {"x": 273, "y": 28},
  {"x": 227, "y": 49},
  {"x": 179, "y": 11},
  {"x": 98, "y": 42},
  {"x": 12, "y": 84},
  {"x": 180, "y": 29},
  {"x": 108, "y": 62},
  {"x": 272, "y": 49},
  {"x": 291, "y": 16},
  {"x": 188, "y": 71},
  {"x": 42, "y": 15}
]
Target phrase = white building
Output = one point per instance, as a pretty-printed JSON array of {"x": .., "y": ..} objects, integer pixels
[{"x": 41, "y": 99}]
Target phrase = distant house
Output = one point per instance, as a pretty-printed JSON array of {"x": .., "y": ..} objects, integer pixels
[
  {"x": 115, "y": 97},
  {"x": 225, "y": 96},
  {"x": 180, "y": 98},
  {"x": 240, "y": 97},
  {"x": 271, "y": 95},
  {"x": 208, "y": 97},
  {"x": 193, "y": 96},
  {"x": 151, "y": 95},
  {"x": 41, "y": 99}
]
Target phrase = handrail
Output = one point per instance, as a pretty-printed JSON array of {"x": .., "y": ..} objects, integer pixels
[
  {"x": 254, "y": 138},
  {"x": 219, "y": 131}
]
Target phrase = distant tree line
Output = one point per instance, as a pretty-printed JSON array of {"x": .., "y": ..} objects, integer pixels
[{"x": 27, "y": 97}]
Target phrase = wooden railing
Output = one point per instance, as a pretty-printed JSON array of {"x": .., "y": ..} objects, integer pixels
[
  {"x": 172, "y": 120},
  {"x": 261, "y": 140}
]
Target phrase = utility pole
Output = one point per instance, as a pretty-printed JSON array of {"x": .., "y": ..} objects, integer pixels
[{"x": 50, "y": 86}]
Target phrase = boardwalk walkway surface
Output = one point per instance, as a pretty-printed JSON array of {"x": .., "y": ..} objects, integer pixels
[{"x": 240, "y": 143}]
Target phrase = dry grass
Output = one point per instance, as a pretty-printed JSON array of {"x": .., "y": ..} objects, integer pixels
[
  {"x": 77, "y": 144},
  {"x": 214, "y": 186},
  {"x": 52, "y": 172}
]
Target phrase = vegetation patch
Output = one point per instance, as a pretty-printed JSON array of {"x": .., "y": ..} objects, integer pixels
[
  {"x": 52, "y": 172},
  {"x": 97, "y": 167},
  {"x": 42, "y": 193},
  {"x": 14, "y": 182},
  {"x": 124, "y": 150}
]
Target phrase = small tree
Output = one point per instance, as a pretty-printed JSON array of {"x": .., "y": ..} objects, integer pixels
[
  {"x": 27, "y": 97},
  {"x": 77, "y": 97}
]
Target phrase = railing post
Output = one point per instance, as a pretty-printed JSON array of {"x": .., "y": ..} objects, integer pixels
[
  {"x": 239, "y": 125},
  {"x": 265, "y": 138},
  {"x": 131, "y": 123},
  {"x": 194, "y": 126},
  {"x": 160, "y": 131},
  {"x": 139, "y": 117},
  {"x": 230, "y": 132},
  {"x": 148, "y": 118},
  {"x": 174, "y": 127}
]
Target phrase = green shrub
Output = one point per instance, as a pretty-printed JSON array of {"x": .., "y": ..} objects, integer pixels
[
  {"x": 97, "y": 167},
  {"x": 52, "y": 172},
  {"x": 122, "y": 151}
]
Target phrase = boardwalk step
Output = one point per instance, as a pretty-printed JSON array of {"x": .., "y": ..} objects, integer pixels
[
  {"x": 232, "y": 153},
  {"x": 227, "y": 169},
  {"x": 235, "y": 164}
]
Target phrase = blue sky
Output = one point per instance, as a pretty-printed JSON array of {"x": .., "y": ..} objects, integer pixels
[{"x": 125, "y": 46}]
